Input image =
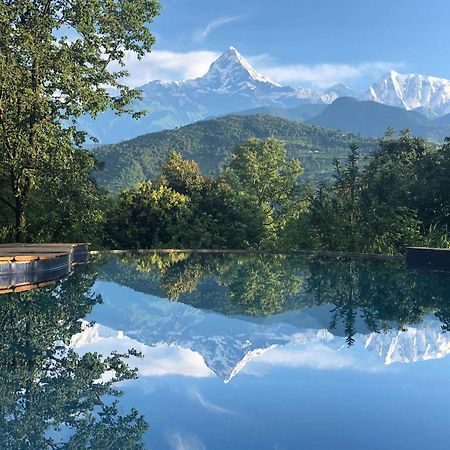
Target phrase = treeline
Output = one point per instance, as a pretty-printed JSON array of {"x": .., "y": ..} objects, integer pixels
[
  {"x": 400, "y": 198},
  {"x": 397, "y": 197}
]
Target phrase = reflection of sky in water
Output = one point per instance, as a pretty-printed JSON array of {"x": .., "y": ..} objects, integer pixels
[{"x": 289, "y": 386}]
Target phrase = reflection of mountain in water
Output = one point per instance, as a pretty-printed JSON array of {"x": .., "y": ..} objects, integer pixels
[
  {"x": 227, "y": 343},
  {"x": 414, "y": 344}
]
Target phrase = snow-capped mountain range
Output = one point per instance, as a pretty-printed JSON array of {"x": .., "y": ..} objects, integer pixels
[
  {"x": 228, "y": 344},
  {"x": 232, "y": 85},
  {"x": 411, "y": 91},
  {"x": 226, "y": 355}
]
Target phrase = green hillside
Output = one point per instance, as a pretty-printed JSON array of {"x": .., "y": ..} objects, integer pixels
[{"x": 210, "y": 143}]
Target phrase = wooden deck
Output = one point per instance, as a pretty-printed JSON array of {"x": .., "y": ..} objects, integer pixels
[{"x": 26, "y": 266}]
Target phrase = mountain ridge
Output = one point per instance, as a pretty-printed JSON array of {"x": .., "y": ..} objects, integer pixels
[
  {"x": 373, "y": 119},
  {"x": 411, "y": 91},
  {"x": 228, "y": 344},
  {"x": 232, "y": 85},
  {"x": 210, "y": 143}
]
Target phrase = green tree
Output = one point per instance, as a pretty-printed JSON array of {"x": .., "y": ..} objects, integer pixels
[
  {"x": 148, "y": 216},
  {"x": 68, "y": 206},
  {"x": 388, "y": 205},
  {"x": 393, "y": 202},
  {"x": 260, "y": 171},
  {"x": 181, "y": 175},
  {"x": 56, "y": 64},
  {"x": 218, "y": 216},
  {"x": 52, "y": 397},
  {"x": 432, "y": 189},
  {"x": 334, "y": 211}
]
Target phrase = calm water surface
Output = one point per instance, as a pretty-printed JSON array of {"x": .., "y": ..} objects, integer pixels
[{"x": 228, "y": 352}]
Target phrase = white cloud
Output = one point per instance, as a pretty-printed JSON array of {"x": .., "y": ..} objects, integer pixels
[
  {"x": 166, "y": 65},
  {"x": 319, "y": 75},
  {"x": 157, "y": 361},
  {"x": 322, "y": 357},
  {"x": 201, "y": 34},
  {"x": 185, "y": 441}
]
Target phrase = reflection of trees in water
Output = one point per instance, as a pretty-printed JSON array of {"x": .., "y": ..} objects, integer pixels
[
  {"x": 252, "y": 284},
  {"x": 383, "y": 294},
  {"x": 50, "y": 396}
]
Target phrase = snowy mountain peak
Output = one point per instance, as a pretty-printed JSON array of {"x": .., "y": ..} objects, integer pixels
[
  {"x": 411, "y": 91},
  {"x": 232, "y": 70},
  {"x": 340, "y": 87},
  {"x": 393, "y": 74},
  {"x": 336, "y": 91}
]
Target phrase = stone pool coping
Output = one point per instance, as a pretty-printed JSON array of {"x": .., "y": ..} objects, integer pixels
[{"x": 259, "y": 252}]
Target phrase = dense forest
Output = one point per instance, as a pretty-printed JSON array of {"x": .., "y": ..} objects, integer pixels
[
  {"x": 210, "y": 143},
  {"x": 260, "y": 199},
  {"x": 400, "y": 197}
]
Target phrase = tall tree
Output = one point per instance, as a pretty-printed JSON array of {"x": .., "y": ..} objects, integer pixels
[
  {"x": 260, "y": 171},
  {"x": 57, "y": 62},
  {"x": 334, "y": 213}
]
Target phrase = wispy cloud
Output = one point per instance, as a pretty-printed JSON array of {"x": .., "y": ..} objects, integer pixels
[
  {"x": 167, "y": 65},
  {"x": 201, "y": 34},
  {"x": 185, "y": 441},
  {"x": 319, "y": 75},
  {"x": 194, "y": 393}
]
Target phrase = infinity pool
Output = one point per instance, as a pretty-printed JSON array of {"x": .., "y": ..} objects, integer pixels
[{"x": 179, "y": 351}]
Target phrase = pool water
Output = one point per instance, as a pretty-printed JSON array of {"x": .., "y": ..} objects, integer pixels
[{"x": 223, "y": 351}]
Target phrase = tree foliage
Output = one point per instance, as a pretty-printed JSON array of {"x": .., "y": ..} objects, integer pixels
[
  {"x": 184, "y": 209},
  {"x": 260, "y": 171},
  {"x": 56, "y": 64},
  {"x": 52, "y": 397},
  {"x": 399, "y": 198}
]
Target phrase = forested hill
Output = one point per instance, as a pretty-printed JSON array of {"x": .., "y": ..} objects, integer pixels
[{"x": 210, "y": 143}]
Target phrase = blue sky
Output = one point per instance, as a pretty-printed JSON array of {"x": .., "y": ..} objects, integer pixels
[{"x": 301, "y": 42}]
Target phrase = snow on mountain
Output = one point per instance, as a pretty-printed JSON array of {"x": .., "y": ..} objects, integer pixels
[
  {"x": 227, "y": 344},
  {"x": 231, "y": 72},
  {"x": 230, "y": 85},
  {"x": 339, "y": 90},
  {"x": 411, "y": 91},
  {"x": 227, "y": 356},
  {"x": 230, "y": 80},
  {"x": 412, "y": 345}
]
